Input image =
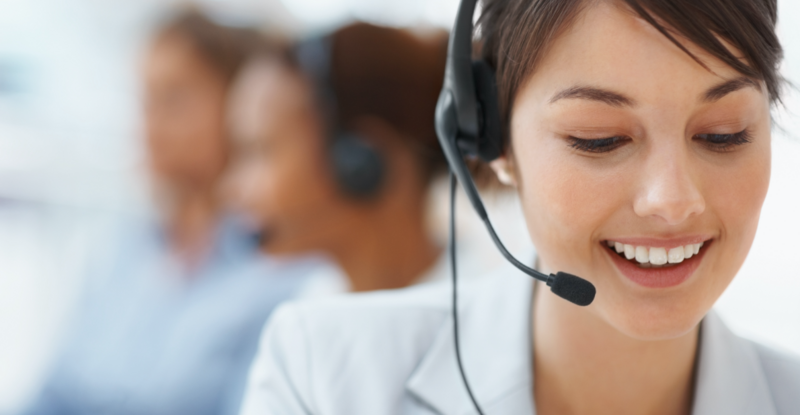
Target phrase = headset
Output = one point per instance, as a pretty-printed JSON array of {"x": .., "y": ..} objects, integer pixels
[
  {"x": 357, "y": 166},
  {"x": 468, "y": 125}
]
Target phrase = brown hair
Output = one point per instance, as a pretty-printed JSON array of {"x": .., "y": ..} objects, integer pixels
[
  {"x": 516, "y": 34},
  {"x": 225, "y": 49},
  {"x": 394, "y": 75}
]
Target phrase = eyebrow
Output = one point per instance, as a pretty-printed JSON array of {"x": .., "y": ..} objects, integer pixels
[
  {"x": 594, "y": 94},
  {"x": 720, "y": 91},
  {"x": 618, "y": 100}
]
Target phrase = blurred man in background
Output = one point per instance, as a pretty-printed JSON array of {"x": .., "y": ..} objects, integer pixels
[{"x": 171, "y": 320}]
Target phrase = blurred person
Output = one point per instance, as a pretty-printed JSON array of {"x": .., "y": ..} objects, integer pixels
[
  {"x": 338, "y": 151},
  {"x": 171, "y": 318},
  {"x": 637, "y": 134}
]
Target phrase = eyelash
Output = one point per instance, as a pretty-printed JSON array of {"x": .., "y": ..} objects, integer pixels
[
  {"x": 725, "y": 142},
  {"x": 601, "y": 145},
  {"x": 715, "y": 142}
]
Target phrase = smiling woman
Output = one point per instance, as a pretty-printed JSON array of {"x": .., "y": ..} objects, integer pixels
[
  {"x": 637, "y": 135},
  {"x": 657, "y": 153}
]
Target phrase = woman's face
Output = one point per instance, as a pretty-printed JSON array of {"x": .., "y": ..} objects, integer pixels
[
  {"x": 184, "y": 113},
  {"x": 281, "y": 176},
  {"x": 620, "y": 137}
]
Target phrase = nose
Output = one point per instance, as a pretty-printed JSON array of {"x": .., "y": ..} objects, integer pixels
[{"x": 668, "y": 188}]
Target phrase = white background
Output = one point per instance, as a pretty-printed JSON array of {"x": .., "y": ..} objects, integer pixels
[{"x": 70, "y": 159}]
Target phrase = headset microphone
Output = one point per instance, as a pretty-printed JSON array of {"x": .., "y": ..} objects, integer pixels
[{"x": 468, "y": 124}]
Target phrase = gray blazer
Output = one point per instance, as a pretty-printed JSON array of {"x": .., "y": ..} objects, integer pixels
[{"x": 392, "y": 353}]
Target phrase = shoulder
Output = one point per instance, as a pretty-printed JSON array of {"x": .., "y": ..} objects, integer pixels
[
  {"x": 383, "y": 315},
  {"x": 317, "y": 355},
  {"x": 782, "y": 371},
  {"x": 314, "y": 353},
  {"x": 374, "y": 318}
]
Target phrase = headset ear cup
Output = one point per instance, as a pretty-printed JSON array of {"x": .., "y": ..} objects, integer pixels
[
  {"x": 358, "y": 167},
  {"x": 490, "y": 138}
]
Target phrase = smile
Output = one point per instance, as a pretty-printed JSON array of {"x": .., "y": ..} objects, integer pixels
[
  {"x": 651, "y": 263},
  {"x": 652, "y": 257}
]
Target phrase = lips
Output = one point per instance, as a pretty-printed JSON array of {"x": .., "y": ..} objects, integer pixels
[{"x": 665, "y": 270}]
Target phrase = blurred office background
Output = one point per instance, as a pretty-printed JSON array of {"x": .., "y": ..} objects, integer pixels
[{"x": 71, "y": 160}]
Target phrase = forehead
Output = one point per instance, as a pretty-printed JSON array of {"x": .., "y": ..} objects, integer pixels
[
  {"x": 265, "y": 93},
  {"x": 610, "y": 46},
  {"x": 171, "y": 51}
]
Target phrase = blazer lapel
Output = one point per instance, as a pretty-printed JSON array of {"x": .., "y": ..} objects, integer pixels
[
  {"x": 494, "y": 319},
  {"x": 730, "y": 378},
  {"x": 495, "y": 331}
]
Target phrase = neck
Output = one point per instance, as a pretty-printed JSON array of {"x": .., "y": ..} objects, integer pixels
[
  {"x": 190, "y": 219},
  {"x": 582, "y": 364},
  {"x": 390, "y": 251}
]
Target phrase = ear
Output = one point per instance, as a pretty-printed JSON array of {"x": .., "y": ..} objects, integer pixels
[{"x": 504, "y": 169}]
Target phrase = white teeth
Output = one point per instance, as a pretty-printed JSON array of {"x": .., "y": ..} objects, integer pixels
[
  {"x": 647, "y": 256},
  {"x": 676, "y": 255},
  {"x": 642, "y": 255},
  {"x": 658, "y": 256},
  {"x": 630, "y": 252}
]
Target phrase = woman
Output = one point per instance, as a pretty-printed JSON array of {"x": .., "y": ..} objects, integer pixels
[
  {"x": 337, "y": 153},
  {"x": 638, "y": 139},
  {"x": 171, "y": 321}
]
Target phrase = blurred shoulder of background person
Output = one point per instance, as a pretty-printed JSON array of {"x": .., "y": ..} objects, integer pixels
[
  {"x": 172, "y": 321},
  {"x": 338, "y": 153}
]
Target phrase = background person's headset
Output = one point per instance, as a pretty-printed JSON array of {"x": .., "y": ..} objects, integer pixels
[
  {"x": 468, "y": 124},
  {"x": 357, "y": 166}
]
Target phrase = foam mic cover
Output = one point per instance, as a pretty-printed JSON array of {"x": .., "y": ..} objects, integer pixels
[{"x": 571, "y": 288}]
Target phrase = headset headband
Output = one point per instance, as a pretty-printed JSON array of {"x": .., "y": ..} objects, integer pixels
[{"x": 459, "y": 80}]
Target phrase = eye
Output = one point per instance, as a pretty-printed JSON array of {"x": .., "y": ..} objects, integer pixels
[
  {"x": 724, "y": 142},
  {"x": 599, "y": 145}
]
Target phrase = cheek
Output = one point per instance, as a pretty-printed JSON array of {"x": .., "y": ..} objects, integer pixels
[
  {"x": 196, "y": 143},
  {"x": 208, "y": 135},
  {"x": 564, "y": 202},
  {"x": 253, "y": 187},
  {"x": 294, "y": 187},
  {"x": 735, "y": 195}
]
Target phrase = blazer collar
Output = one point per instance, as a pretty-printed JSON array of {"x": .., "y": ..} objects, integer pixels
[
  {"x": 496, "y": 350},
  {"x": 495, "y": 331},
  {"x": 730, "y": 379}
]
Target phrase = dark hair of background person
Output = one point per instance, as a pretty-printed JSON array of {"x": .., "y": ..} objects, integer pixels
[
  {"x": 395, "y": 76},
  {"x": 516, "y": 33},
  {"x": 225, "y": 49}
]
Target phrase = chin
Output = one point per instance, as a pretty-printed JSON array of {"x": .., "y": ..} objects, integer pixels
[
  {"x": 652, "y": 312},
  {"x": 654, "y": 315},
  {"x": 654, "y": 323},
  {"x": 280, "y": 244},
  {"x": 282, "y": 249}
]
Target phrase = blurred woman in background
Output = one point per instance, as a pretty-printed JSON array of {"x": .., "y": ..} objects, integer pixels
[
  {"x": 338, "y": 151},
  {"x": 171, "y": 323}
]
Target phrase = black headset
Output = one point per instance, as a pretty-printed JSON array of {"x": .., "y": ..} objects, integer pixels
[
  {"x": 468, "y": 125},
  {"x": 357, "y": 166}
]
